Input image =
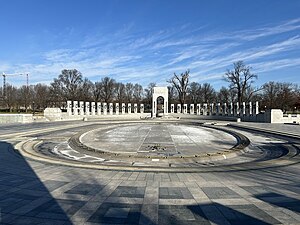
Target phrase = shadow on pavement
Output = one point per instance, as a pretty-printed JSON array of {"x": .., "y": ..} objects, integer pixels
[
  {"x": 280, "y": 201},
  {"x": 24, "y": 198}
]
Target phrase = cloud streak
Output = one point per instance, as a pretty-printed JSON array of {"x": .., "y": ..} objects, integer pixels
[{"x": 153, "y": 56}]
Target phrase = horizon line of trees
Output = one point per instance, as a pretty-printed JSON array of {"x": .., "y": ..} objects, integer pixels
[{"x": 71, "y": 85}]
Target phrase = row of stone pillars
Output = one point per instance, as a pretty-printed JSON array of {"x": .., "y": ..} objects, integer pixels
[
  {"x": 218, "y": 109},
  {"x": 92, "y": 108}
]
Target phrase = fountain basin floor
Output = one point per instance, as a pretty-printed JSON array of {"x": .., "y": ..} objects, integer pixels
[{"x": 158, "y": 139}]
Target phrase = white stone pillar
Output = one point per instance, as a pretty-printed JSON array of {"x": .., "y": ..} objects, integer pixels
[
  {"x": 75, "y": 108},
  {"x": 178, "y": 108},
  {"x": 225, "y": 109},
  {"x": 218, "y": 109},
  {"x": 172, "y": 108},
  {"x": 154, "y": 107},
  {"x": 142, "y": 108},
  {"x": 111, "y": 109},
  {"x": 129, "y": 108},
  {"x": 69, "y": 108},
  {"x": 192, "y": 111},
  {"x": 117, "y": 108},
  {"x": 231, "y": 109},
  {"x": 166, "y": 107},
  {"x": 198, "y": 110},
  {"x": 98, "y": 108},
  {"x": 87, "y": 108},
  {"x": 93, "y": 106},
  {"x": 104, "y": 106},
  {"x": 123, "y": 108},
  {"x": 211, "y": 111},
  {"x": 237, "y": 109},
  {"x": 250, "y": 108},
  {"x": 184, "y": 108},
  {"x": 135, "y": 108},
  {"x": 81, "y": 108},
  {"x": 256, "y": 108},
  {"x": 205, "y": 109},
  {"x": 244, "y": 108}
]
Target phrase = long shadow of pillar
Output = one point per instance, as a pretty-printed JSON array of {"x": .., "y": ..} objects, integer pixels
[{"x": 24, "y": 198}]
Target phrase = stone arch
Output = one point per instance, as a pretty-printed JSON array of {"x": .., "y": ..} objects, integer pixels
[{"x": 160, "y": 92}]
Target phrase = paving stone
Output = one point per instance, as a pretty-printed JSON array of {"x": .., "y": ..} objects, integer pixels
[
  {"x": 129, "y": 214},
  {"x": 127, "y": 191},
  {"x": 85, "y": 189},
  {"x": 174, "y": 193},
  {"x": 220, "y": 193},
  {"x": 175, "y": 214}
]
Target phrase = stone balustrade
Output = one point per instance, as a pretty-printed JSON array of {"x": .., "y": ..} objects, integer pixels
[{"x": 210, "y": 109}]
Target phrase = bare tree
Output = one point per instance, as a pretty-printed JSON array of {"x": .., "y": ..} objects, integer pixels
[
  {"x": 107, "y": 89},
  {"x": 85, "y": 91},
  {"x": 11, "y": 99},
  {"x": 224, "y": 95},
  {"x": 129, "y": 92},
  {"x": 181, "y": 82},
  {"x": 173, "y": 95},
  {"x": 67, "y": 85},
  {"x": 41, "y": 96},
  {"x": 96, "y": 88},
  {"x": 148, "y": 92},
  {"x": 240, "y": 79},
  {"x": 120, "y": 92},
  {"x": 137, "y": 92},
  {"x": 207, "y": 93},
  {"x": 194, "y": 92}
]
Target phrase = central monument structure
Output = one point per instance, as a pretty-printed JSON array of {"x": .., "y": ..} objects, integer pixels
[{"x": 159, "y": 101}]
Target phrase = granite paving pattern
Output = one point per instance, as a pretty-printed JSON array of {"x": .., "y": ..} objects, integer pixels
[{"x": 32, "y": 192}]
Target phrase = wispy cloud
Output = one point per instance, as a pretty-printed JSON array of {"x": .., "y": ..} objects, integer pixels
[{"x": 153, "y": 56}]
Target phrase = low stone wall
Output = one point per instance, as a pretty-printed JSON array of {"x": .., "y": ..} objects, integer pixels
[
  {"x": 16, "y": 118},
  {"x": 270, "y": 116}
]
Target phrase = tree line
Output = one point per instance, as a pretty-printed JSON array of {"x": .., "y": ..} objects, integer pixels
[{"x": 72, "y": 85}]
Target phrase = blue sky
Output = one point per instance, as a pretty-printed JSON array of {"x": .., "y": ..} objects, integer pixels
[{"x": 148, "y": 40}]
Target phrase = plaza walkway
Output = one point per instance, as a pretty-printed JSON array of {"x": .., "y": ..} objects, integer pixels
[{"x": 39, "y": 193}]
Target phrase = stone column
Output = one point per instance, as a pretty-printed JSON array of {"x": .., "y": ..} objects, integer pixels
[
  {"x": 135, "y": 108},
  {"x": 192, "y": 111},
  {"x": 237, "y": 113},
  {"x": 166, "y": 105},
  {"x": 75, "y": 108},
  {"x": 256, "y": 108},
  {"x": 129, "y": 108},
  {"x": 123, "y": 108},
  {"x": 244, "y": 108},
  {"x": 211, "y": 111},
  {"x": 172, "y": 108},
  {"x": 218, "y": 109},
  {"x": 93, "y": 108},
  {"x": 111, "y": 109},
  {"x": 87, "y": 108},
  {"x": 81, "y": 108},
  {"x": 205, "y": 109},
  {"x": 178, "y": 108},
  {"x": 98, "y": 108},
  {"x": 142, "y": 108},
  {"x": 250, "y": 108},
  {"x": 225, "y": 109},
  {"x": 104, "y": 108},
  {"x": 69, "y": 108},
  {"x": 231, "y": 109},
  {"x": 198, "y": 110},
  {"x": 184, "y": 108},
  {"x": 117, "y": 108}
]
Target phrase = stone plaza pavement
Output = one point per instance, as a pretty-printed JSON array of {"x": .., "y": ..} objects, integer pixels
[{"x": 38, "y": 193}]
